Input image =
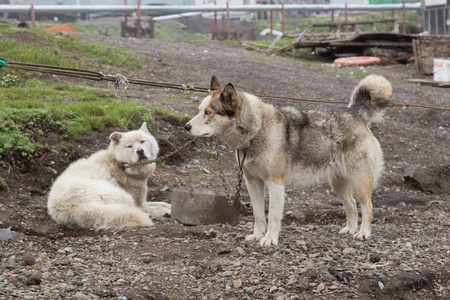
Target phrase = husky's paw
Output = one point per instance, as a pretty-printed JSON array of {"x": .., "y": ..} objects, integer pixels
[
  {"x": 363, "y": 234},
  {"x": 268, "y": 241},
  {"x": 254, "y": 237},
  {"x": 347, "y": 230}
]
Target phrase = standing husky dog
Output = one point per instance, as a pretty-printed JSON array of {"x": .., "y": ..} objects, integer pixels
[
  {"x": 286, "y": 147},
  {"x": 99, "y": 192}
]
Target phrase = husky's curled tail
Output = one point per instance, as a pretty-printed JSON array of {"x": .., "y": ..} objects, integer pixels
[{"x": 370, "y": 98}]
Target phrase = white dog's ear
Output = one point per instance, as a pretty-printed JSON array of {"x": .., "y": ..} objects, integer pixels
[
  {"x": 215, "y": 84},
  {"x": 115, "y": 137},
  {"x": 229, "y": 97},
  {"x": 144, "y": 128}
]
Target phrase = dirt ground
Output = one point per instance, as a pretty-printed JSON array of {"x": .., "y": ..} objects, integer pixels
[{"x": 408, "y": 256}]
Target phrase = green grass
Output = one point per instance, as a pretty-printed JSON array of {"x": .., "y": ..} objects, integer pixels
[
  {"x": 34, "y": 107},
  {"x": 63, "y": 50}
]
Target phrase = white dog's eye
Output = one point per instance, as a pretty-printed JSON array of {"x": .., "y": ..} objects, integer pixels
[
  {"x": 129, "y": 146},
  {"x": 207, "y": 112},
  {"x": 143, "y": 141}
]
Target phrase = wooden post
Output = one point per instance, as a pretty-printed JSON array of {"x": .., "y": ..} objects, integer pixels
[
  {"x": 139, "y": 10},
  {"x": 228, "y": 21},
  {"x": 271, "y": 25},
  {"x": 346, "y": 16},
  {"x": 404, "y": 18},
  {"x": 282, "y": 16},
  {"x": 33, "y": 18},
  {"x": 138, "y": 28},
  {"x": 125, "y": 14},
  {"x": 346, "y": 13},
  {"x": 332, "y": 16},
  {"x": 215, "y": 22},
  {"x": 152, "y": 28}
]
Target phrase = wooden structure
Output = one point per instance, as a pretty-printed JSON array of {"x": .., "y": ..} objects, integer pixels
[
  {"x": 348, "y": 38},
  {"x": 427, "y": 48},
  {"x": 137, "y": 31}
]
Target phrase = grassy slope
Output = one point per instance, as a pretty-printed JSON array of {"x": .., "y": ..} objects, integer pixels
[{"x": 28, "y": 105}]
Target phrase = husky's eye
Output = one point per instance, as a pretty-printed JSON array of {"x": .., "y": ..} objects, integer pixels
[
  {"x": 129, "y": 146},
  {"x": 207, "y": 112},
  {"x": 143, "y": 141}
]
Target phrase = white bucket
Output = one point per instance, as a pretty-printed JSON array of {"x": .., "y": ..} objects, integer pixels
[{"x": 441, "y": 70}]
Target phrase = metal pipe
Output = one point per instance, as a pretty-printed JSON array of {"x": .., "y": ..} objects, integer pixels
[
  {"x": 228, "y": 22},
  {"x": 174, "y": 9}
]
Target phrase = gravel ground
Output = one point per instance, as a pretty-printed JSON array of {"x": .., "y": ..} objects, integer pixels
[{"x": 406, "y": 258}]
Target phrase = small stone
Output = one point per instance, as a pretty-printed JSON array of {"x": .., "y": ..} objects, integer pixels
[
  {"x": 46, "y": 275},
  {"x": 381, "y": 285},
  {"x": 68, "y": 249},
  {"x": 374, "y": 257},
  {"x": 273, "y": 289},
  {"x": 81, "y": 296},
  {"x": 350, "y": 251},
  {"x": 237, "y": 283},
  {"x": 224, "y": 251},
  {"x": 28, "y": 259},
  {"x": 320, "y": 288},
  {"x": 34, "y": 280},
  {"x": 63, "y": 262},
  {"x": 240, "y": 250},
  {"x": 408, "y": 245},
  {"x": 250, "y": 290},
  {"x": 70, "y": 288},
  {"x": 227, "y": 273},
  {"x": 147, "y": 260}
]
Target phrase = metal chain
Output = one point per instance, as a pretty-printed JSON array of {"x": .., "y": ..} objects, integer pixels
[
  {"x": 235, "y": 200},
  {"x": 98, "y": 76},
  {"x": 146, "y": 162}
]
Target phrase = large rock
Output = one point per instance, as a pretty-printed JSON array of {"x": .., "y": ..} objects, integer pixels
[
  {"x": 434, "y": 180},
  {"x": 201, "y": 207}
]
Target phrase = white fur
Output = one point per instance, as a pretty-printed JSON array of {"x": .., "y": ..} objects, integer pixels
[{"x": 98, "y": 192}]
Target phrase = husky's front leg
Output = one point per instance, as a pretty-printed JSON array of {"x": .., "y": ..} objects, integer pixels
[
  {"x": 276, "y": 206},
  {"x": 256, "y": 191}
]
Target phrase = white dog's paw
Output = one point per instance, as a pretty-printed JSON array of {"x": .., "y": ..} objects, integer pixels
[
  {"x": 254, "y": 237},
  {"x": 157, "y": 210},
  {"x": 363, "y": 234},
  {"x": 268, "y": 241},
  {"x": 347, "y": 230},
  {"x": 164, "y": 204}
]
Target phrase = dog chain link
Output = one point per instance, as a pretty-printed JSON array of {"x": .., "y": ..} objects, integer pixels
[
  {"x": 235, "y": 200},
  {"x": 176, "y": 151}
]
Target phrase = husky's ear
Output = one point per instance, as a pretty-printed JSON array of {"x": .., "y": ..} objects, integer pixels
[
  {"x": 115, "y": 137},
  {"x": 229, "y": 97},
  {"x": 215, "y": 84},
  {"x": 144, "y": 128}
]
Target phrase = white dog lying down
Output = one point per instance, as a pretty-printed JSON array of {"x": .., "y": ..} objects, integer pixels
[{"x": 99, "y": 192}]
